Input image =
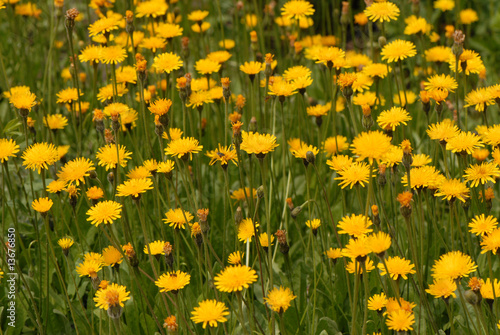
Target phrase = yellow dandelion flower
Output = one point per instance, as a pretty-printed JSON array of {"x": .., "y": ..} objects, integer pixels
[
  {"x": 111, "y": 297},
  {"x": 491, "y": 242},
  {"x": 113, "y": 54},
  {"x": 355, "y": 225},
  {"x": 278, "y": 299},
  {"x": 398, "y": 50},
  {"x": 102, "y": 26},
  {"x": 371, "y": 145},
  {"x": 397, "y": 267},
  {"x": 442, "y": 288},
  {"x": 76, "y": 170},
  {"x": 177, "y": 218},
  {"x": 111, "y": 256},
  {"x": 210, "y": 312},
  {"x": 8, "y": 148},
  {"x": 479, "y": 98},
  {"x": 40, "y": 156},
  {"x": 173, "y": 281},
  {"x": 42, "y": 205},
  {"x": 235, "y": 278},
  {"x": 104, "y": 212},
  {"x": 464, "y": 143},
  {"x": 258, "y": 144},
  {"x": 108, "y": 157},
  {"x": 297, "y": 9},
  {"x": 453, "y": 265},
  {"x": 382, "y": 11},
  {"x": 390, "y": 119},
  {"x": 167, "y": 62},
  {"x": 183, "y": 148},
  {"x": 134, "y": 187},
  {"x": 246, "y": 230}
]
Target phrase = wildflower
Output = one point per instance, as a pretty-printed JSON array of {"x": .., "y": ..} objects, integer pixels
[
  {"x": 65, "y": 243},
  {"x": 251, "y": 68},
  {"x": 444, "y": 5},
  {"x": 382, "y": 11},
  {"x": 278, "y": 299},
  {"x": 464, "y": 143},
  {"x": 377, "y": 302},
  {"x": 103, "y": 26},
  {"x": 67, "y": 96},
  {"x": 241, "y": 194},
  {"x": 438, "y": 54},
  {"x": 235, "y": 257},
  {"x": 167, "y": 62},
  {"x": 371, "y": 145},
  {"x": 111, "y": 256},
  {"x": 482, "y": 225},
  {"x": 40, "y": 156},
  {"x": 166, "y": 167},
  {"x": 246, "y": 230},
  {"x": 357, "y": 248},
  {"x": 379, "y": 243},
  {"x": 8, "y": 148},
  {"x": 491, "y": 242},
  {"x": 398, "y": 50},
  {"x": 487, "y": 287},
  {"x": 390, "y": 119},
  {"x": 258, "y": 144},
  {"x": 56, "y": 186},
  {"x": 297, "y": 9},
  {"x": 207, "y": 66},
  {"x": 443, "y": 131},
  {"x": 139, "y": 172},
  {"x": 173, "y": 281},
  {"x": 416, "y": 25},
  {"x": 89, "y": 267},
  {"x": 111, "y": 299},
  {"x": 104, "y": 212},
  {"x": 91, "y": 54},
  {"x": 42, "y": 205},
  {"x": 442, "y": 288},
  {"x": 480, "y": 99},
  {"x": 333, "y": 254},
  {"x": 155, "y": 248},
  {"x": 334, "y": 145},
  {"x": 468, "y": 16},
  {"x": 357, "y": 174},
  {"x": 183, "y": 148},
  {"x": 340, "y": 162},
  {"x": 55, "y": 121},
  {"x": 482, "y": 173},
  {"x": 210, "y": 312},
  {"x": 400, "y": 320},
  {"x": 453, "y": 265},
  {"x": 282, "y": 89},
  {"x": 355, "y": 225},
  {"x": 397, "y": 267},
  {"x": 441, "y": 82},
  {"x": 177, "y": 218},
  {"x": 76, "y": 170},
  {"x": 354, "y": 266},
  {"x": 224, "y": 155},
  {"x": 170, "y": 323},
  {"x": 108, "y": 157},
  {"x": 235, "y": 278},
  {"x": 264, "y": 240},
  {"x": 314, "y": 225},
  {"x": 113, "y": 54},
  {"x": 331, "y": 57}
]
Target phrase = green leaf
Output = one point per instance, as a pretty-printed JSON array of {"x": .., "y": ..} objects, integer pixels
[{"x": 11, "y": 127}]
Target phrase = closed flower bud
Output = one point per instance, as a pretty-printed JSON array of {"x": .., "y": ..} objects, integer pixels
[
  {"x": 238, "y": 216},
  {"x": 310, "y": 157}
]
